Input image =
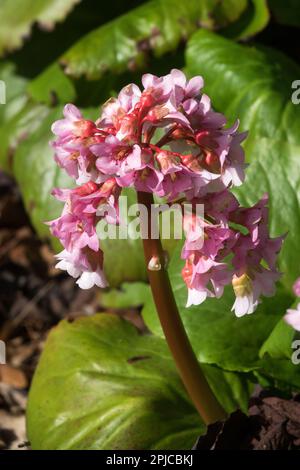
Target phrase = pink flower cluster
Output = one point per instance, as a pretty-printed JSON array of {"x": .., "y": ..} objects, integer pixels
[
  {"x": 236, "y": 249},
  {"x": 167, "y": 140}
]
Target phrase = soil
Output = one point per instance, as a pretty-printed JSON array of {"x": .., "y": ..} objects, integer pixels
[
  {"x": 273, "y": 423},
  {"x": 34, "y": 297}
]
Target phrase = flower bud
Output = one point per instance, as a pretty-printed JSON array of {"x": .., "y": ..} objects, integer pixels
[
  {"x": 154, "y": 264},
  {"x": 242, "y": 285}
]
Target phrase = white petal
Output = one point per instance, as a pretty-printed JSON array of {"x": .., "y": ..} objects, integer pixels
[
  {"x": 241, "y": 306},
  {"x": 86, "y": 280},
  {"x": 195, "y": 297},
  {"x": 89, "y": 279},
  {"x": 244, "y": 305},
  {"x": 69, "y": 267}
]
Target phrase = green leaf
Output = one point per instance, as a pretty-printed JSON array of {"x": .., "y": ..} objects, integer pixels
[
  {"x": 157, "y": 26},
  {"x": 277, "y": 357},
  {"x": 18, "y": 16},
  {"x": 19, "y": 117},
  {"x": 280, "y": 372},
  {"x": 52, "y": 86},
  {"x": 254, "y": 85},
  {"x": 129, "y": 295},
  {"x": 22, "y": 115},
  {"x": 106, "y": 387},
  {"x": 101, "y": 385},
  {"x": 278, "y": 344},
  {"x": 217, "y": 335},
  {"x": 124, "y": 258},
  {"x": 232, "y": 389},
  {"x": 287, "y": 12},
  {"x": 14, "y": 87},
  {"x": 252, "y": 21}
]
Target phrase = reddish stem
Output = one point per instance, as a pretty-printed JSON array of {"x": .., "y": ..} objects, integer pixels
[
  {"x": 188, "y": 366},
  {"x": 166, "y": 138}
]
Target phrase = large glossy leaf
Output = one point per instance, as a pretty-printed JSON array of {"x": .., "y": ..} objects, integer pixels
[
  {"x": 277, "y": 357},
  {"x": 278, "y": 344},
  {"x": 22, "y": 115},
  {"x": 129, "y": 295},
  {"x": 155, "y": 27},
  {"x": 254, "y": 85},
  {"x": 18, "y": 116},
  {"x": 101, "y": 385},
  {"x": 52, "y": 86},
  {"x": 252, "y": 21},
  {"x": 17, "y": 17},
  {"x": 217, "y": 336},
  {"x": 124, "y": 259},
  {"x": 14, "y": 87}
]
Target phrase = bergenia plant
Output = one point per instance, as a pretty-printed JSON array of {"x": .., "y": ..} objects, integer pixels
[{"x": 166, "y": 140}]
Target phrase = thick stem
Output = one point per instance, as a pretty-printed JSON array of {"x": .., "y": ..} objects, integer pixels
[{"x": 188, "y": 366}]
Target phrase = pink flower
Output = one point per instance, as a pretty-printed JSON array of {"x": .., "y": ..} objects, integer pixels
[
  {"x": 292, "y": 317},
  {"x": 72, "y": 147},
  {"x": 205, "y": 274},
  {"x": 157, "y": 90},
  {"x": 147, "y": 180},
  {"x": 183, "y": 88},
  {"x": 204, "y": 278},
  {"x": 76, "y": 227},
  {"x": 296, "y": 287},
  {"x": 86, "y": 265},
  {"x": 117, "y": 158},
  {"x": 233, "y": 170},
  {"x": 246, "y": 301},
  {"x": 256, "y": 245},
  {"x": 250, "y": 286},
  {"x": 176, "y": 178},
  {"x": 115, "y": 109},
  {"x": 219, "y": 205},
  {"x": 160, "y": 105},
  {"x": 213, "y": 239},
  {"x": 74, "y": 125},
  {"x": 250, "y": 279},
  {"x": 202, "y": 117},
  {"x": 75, "y": 231}
]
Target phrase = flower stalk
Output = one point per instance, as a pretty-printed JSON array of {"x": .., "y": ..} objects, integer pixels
[{"x": 187, "y": 364}]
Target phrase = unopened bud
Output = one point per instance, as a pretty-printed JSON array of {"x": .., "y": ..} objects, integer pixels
[
  {"x": 212, "y": 161},
  {"x": 200, "y": 136},
  {"x": 242, "y": 285},
  {"x": 154, "y": 264},
  {"x": 84, "y": 128},
  {"x": 87, "y": 188}
]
